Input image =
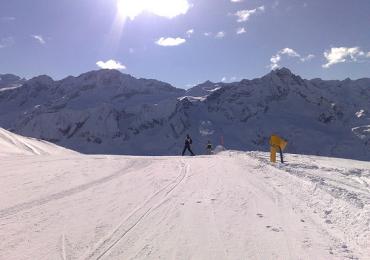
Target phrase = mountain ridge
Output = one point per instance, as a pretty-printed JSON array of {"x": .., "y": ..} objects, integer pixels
[{"x": 106, "y": 111}]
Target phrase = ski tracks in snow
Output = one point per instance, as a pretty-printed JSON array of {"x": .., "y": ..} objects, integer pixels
[
  {"x": 66, "y": 193},
  {"x": 314, "y": 202},
  {"x": 64, "y": 252},
  {"x": 227, "y": 206},
  {"x": 105, "y": 245}
]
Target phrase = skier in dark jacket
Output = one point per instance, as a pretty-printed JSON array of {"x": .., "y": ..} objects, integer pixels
[
  {"x": 209, "y": 148},
  {"x": 188, "y": 143}
]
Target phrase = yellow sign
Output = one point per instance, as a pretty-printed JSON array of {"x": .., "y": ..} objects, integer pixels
[{"x": 277, "y": 143}]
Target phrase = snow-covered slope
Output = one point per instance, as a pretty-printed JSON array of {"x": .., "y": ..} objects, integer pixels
[
  {"x": 204, "y": 89},
  {"x": 12, "y": 144},
  {"x": 229, "y": 206},
  {"x": 9, "y": 81},
  {"x": 109, "y": 112}
]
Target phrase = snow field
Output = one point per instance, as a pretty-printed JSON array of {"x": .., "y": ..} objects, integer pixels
[{"x": 233, "y": 205}]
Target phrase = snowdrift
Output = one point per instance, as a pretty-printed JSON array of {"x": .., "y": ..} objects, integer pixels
[{"x": 13, "y": 144}]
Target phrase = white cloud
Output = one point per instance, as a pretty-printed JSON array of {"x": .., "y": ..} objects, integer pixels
[
  {"x": 275, "y": 59},
  {"x": 241, "y": 30},
  {"x": 244, "y": 15},
  {"x": 368, "y": 54},
  {"x": 39, "y": 38},
  {"x": 289, "y": 52},
  {"x": 111, "y": 65},
  {"x": 236, "y": 1},
  {"x": 341, "y": 55},
  {"x": 308, "y": 58},
  {"x": 189, "y": 32},
  {"x": 220, "y": 35},
  {"x": 6, "y": 42},
  {"x": 166, "y": 42},
  {"x": 207, "y": 34},
  {"x": 131, "y": 50},
  {"x": 223, "y": 79}
]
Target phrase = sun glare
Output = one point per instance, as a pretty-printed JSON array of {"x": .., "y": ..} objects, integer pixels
[{"x": 165, "y": 8}]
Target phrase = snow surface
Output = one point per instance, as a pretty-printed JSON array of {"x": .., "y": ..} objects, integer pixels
[
  {"x": 233, "y": 205},
  {"x": 14, "y": 144},
  {"x": 15, "y": 86}
]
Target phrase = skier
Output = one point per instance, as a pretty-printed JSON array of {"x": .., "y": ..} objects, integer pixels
[
  {"x": 209, "y": 148},
  {"x": 188, "y": 142}
]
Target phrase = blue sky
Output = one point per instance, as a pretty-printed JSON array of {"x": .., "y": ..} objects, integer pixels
[{"x": 185, "y": 42}]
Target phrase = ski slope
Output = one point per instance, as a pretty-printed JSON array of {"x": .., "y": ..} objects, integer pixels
[
  {"x": 13, "y": 144},
  {"x": 232, "y": 205}
]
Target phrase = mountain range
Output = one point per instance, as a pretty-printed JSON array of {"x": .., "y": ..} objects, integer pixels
[{"x": 108, "y": 112}]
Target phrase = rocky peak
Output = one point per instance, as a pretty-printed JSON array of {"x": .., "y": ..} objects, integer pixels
[{"x": 10, "y": 80}]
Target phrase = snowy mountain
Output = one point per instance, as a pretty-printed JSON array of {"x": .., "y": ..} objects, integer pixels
[
  {"x": 110, "y": 112},
  {"x": 204, "y": 89},
  {"x": 10, "y": 81}
]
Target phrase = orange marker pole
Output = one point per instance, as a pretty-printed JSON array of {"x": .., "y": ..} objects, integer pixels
[{"x": 273, "y": 154}]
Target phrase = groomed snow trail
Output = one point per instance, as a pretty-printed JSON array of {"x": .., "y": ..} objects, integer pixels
[{"x": 232, "y": 205}]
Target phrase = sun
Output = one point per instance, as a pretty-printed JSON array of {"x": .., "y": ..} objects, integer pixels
[
  {"x": 165, "y": 8},
  {"x": 130, "y": 8}
]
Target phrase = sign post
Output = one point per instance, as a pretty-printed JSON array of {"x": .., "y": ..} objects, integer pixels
[{"x": 273, "y": 154}]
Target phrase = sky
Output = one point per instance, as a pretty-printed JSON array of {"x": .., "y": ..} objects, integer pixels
[{"x": 186, "y": 42}]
